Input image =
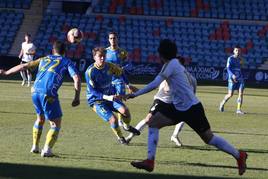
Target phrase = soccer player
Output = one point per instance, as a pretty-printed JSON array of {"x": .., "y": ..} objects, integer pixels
[
  {"x": 117, "y": 55},
  {"x": 26, "y": 55},
  {"x": 186, "y": 107},
  {"x": 51, "y": 71},
  {"x": 101, "y": 94},
  {"x": 164, "y": 96},
  {"x": 235, "y": 80}
]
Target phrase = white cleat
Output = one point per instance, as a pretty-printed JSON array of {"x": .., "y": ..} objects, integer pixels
[
  {"x": 240, "y": 112},
  {"x": 23, "y": 83},
  {"x": 47, "y": 153},
  {"x": 29, "y": 84},
  {"x": 176, "y": 140},
  {"x": 35, "y": 150}
]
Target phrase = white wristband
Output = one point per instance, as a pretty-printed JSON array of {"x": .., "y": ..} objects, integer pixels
[{"x": 108, "y": 98}]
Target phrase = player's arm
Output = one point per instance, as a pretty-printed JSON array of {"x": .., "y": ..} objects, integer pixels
[
  {"x": 90, "y": 80},
  {"x": 154, "y": 84},
  {"x": 229, "y": 69},
  {"x": 20, "y": 67},
  {"x": 77, "y": 89},
  {"x": 21, "y": 53}
]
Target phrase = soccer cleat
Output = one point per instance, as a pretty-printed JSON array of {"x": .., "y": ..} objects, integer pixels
[
  {"x": 221, "y": 108},
  {"x": 129, "y": 137},
  {"x": 122, "y": 140},
  {"x": 132, "y": 130},
  {"x": 34, "y": 149},
  {"x": 241, "y": 162},
  {"x": 23, "y": 83},
  {"x": 46, "y": 153},
  {"x": 147, "y": 165},
  {"x": 240, "y": 112},
  {"x": 176, "y": 140},
  {"x": 29, "y": 84}
]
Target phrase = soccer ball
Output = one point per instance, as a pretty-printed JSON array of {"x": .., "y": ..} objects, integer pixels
[{"x": 74, "y": 35}]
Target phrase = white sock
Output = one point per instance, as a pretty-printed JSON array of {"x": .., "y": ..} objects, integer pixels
[
  {"x": 153, "y": 135},
  {"x": 223, "y": 145},
  {"x": 29, "y": 78},
  {"x": 22, "y": 74},
  {"x": 140, "y": 126},
  {"x": 177, "y": 129}
]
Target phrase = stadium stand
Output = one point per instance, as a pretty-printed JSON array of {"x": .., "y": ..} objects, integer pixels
[
  {"x": 17, "y": 4},
  {"x": 10, "y": 22}
]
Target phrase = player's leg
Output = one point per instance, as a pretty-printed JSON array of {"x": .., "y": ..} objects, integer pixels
[
  {"x": 51, "y": 138},
  {"x": 38, "y": 125},
  {"x": 228, "y": 96},
  {"x": 240, "y": 98},
  {"x": 29, "y": 77},
  {"x": 120, "y": 90},
  {"x": 126, "y": 117},
  {"x": 53, "y": 113},
  {"x": 140, "y": 126},
  {"x": 104, "y": 110},
  {"x": 37, "y": 132},
  {"x": 175, "y": 136},
  {"x": 23, "y": 76},
  {"x": 161, "y": 117},
  {"x": 202, "y": 128}
]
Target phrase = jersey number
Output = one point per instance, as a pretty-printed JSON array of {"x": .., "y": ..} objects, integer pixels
[{"x": 51, "y": 69}]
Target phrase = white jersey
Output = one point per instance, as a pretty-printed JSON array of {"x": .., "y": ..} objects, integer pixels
[
  {"x": 164, "y": 93},
  {"x": 177, "y": 77},
  {"x": 27, "y": 48}
]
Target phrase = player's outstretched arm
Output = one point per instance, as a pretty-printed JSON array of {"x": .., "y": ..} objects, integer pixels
[
  {"x": 77, "y": 89},
  {"x": 14, "y": 70}
]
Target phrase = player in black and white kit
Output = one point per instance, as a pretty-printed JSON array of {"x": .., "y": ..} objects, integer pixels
[
  {"x": 26, "y": 55},
  {"x": 164, "y": 97},
  {"x": 186, "y": 107}
]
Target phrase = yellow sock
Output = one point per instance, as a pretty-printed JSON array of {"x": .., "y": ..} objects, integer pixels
[
  {"x": 238, "y": 106},
  {"x": 37, "y": 131},
  {"x": 52, "y": 137},
  {"x": 116, "y": 130}
]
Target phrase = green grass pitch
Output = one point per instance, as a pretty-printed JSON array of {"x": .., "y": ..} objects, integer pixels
[{"x": 87, "y": 147}]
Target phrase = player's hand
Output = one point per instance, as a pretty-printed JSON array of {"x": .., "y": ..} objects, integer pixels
[
  {"x": 130, "y": 96},
  {"x": 75, "y": 102},
  {"x": 2, "y": 72},
  {"x": 234, "y": 78},
  {"x": 132, "y": 89},
  {"x": 119, "y": 97}
]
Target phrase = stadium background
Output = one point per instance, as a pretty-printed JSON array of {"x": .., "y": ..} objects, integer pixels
[{"x": 204, "y": 30}]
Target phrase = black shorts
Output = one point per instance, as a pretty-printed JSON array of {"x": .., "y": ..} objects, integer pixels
[{"x": 195, "y": 116}]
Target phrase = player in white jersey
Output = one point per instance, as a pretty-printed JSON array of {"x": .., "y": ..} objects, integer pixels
[
  {"x": 186, "y": 107},
  {"x": 164, "y": 96},
  {"x": 26, "y": 55}
]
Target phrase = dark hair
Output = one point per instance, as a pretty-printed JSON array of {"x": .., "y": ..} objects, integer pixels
[
  {"x": 237, "y": 46},
  {"x": 181, "y": 59},
  {"x": 98, "y": 49},
  {"x": 27, "y": 34},
  {"x": 114, "y": 33},
  {"x": 167, "y": 49},
  {"x": 59, "y": 47}
]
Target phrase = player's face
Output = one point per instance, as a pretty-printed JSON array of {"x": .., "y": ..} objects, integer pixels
[
  {"x": 27, "y": 38},
  {"x": 113, "y": 40},
  {"x": 237, "y": 51},
  {"x": 99, "y": 59}
]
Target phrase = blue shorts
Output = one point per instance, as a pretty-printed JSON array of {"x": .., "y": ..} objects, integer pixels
[
  {"x": 105, "y": 109},
  {"x": 120, "y": 88},
  {"x": 240, "y": 85},
  {"x": 47, "y": 105}
]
